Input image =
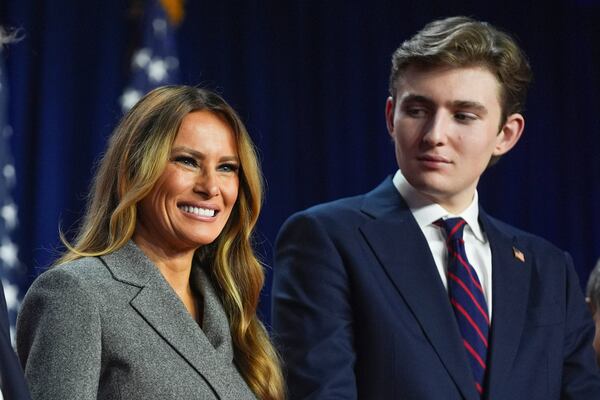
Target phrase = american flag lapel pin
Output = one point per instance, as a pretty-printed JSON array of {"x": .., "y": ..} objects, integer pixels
[{"x": 518, "y": 254}]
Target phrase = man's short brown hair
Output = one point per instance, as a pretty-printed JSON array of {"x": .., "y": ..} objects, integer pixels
[{"x": 464, "y": 42}]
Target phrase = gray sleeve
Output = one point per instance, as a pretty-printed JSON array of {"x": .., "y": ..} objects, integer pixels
[{"x": 59, "y": 338}]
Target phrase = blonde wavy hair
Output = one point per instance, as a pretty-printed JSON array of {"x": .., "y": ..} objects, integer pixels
[{"x": 137, "y": 154}]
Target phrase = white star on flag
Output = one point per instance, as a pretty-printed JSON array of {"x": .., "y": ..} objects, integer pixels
[
  {"x": 9, "y": 214},
  {"x": 157, "y": 70},
  {"x": 11, "y": 294},
  {"x": 129, "y": 98},
  {"x": 141, "y": 58},
  {"x": 8, "y": 253},
  {"x": 9, "y": 172},
  {"x": 160, "y": 26},
  {"x": 155, "y": 63}
]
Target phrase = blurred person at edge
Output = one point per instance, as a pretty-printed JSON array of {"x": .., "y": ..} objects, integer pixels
[
  {"x": 593, "y": 300},
  {"x": 157, "y": 296},
  {"x": 12, "y": 383}
]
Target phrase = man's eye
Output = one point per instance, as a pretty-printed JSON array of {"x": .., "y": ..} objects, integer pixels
[
  {"x": 416, "y": 112},
  {"x": 229, "y": 167},
  {"x": 187, "y": 161},
  {"x": 465, "y": 117}
]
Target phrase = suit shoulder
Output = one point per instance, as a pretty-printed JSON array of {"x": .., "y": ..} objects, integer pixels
[
  {"x": 332, "y": 219},
  {"x": 337, "y": 210}
]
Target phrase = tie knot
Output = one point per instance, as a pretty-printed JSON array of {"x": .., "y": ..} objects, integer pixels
[{"x": 452, "y": 226}]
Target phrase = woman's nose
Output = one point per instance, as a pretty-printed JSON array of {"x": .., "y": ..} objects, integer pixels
[{"x": 207, "y": 184}]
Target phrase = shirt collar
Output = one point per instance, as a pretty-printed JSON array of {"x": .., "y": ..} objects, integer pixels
[{"x": 427, "y": 212}]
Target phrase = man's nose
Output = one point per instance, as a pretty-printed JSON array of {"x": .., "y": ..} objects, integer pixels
[{"x": 436, "y": 130}]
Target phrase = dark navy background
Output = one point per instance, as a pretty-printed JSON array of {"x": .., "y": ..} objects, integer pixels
[{"x": 310, "y": 80}]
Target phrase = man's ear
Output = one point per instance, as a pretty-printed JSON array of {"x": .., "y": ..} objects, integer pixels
[
  {"x": 390, "y": 105},
  {"x": 510, "y": 134}
]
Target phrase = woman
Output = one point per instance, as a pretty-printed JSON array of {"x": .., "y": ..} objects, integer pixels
[{"x": 157, "y": 297}]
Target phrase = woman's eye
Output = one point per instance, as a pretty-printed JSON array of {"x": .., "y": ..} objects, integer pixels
[
  {"x": 185, "y": 160},
  {"x": 229, "y": 167}
]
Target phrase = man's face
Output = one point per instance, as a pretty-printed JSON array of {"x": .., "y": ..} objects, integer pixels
[{"x": 445, "y": 123}]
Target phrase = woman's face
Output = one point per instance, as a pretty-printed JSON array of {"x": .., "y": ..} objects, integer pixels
[{"x": 192, "y": 200}]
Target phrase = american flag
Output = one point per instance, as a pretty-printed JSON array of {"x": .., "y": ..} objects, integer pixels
[
  {"x": 155, "y": 63},
  {"x": 11, "y": 270}
]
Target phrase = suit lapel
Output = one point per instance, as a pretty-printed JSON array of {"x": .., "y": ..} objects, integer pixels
[
  {"x": 399, "y": 245},
  {"x": 160, "y": 307},
  {"x": 511, "y": 275}
]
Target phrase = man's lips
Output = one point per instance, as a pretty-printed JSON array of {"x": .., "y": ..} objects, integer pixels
[{"x": 434, "y": 159}]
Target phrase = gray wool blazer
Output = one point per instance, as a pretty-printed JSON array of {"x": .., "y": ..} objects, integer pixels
[{"x": 111, "y": 327}]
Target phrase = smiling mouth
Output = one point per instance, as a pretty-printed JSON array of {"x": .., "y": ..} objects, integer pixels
[{"x": 199, "y": 211}]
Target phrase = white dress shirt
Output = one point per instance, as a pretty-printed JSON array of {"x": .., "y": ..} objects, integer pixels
[{"x": 477, "y": 246}]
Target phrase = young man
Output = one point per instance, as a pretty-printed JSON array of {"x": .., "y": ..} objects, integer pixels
[{"x": 412, "y": 291}]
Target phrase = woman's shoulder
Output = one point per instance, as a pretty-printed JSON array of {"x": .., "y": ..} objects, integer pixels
[
  {"x": 64, "y": 292},
  {"x": 80, "y": 266},
  {"x": 84, "y": 271}
]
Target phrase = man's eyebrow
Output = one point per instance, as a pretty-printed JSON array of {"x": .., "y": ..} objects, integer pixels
[
  {"x": 460, "y": 104},
  {"x": 416, "y": 98},
  {"x": 471, "y": 105}
]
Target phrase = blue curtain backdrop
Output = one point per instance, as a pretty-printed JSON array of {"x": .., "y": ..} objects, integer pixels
[{"x": 310, "y": 80}]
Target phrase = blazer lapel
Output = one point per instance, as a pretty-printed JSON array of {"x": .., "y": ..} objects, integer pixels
[
  {"x": 399, "y": 245},
  {"x": 214, "y": 321},
  {"x": 160, "y": 307},
  {"x": 511, "y": 275}
]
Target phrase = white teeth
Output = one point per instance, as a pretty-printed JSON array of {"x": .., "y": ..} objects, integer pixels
[{"x": 202, "y": 212}]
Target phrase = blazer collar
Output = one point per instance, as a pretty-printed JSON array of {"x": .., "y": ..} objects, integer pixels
[
  {"x": 399, "y": 245},
  {"x": 130, "y": 265},
  {"x": 383, "y": 200},
  {"x": 512, "y": 264},
  {"x": 162, "y": 309}
]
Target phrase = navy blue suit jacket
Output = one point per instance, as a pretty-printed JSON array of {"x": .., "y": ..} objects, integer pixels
[
  {"x": 11, "y": 373},
  {"x": 359, "y": 311}
]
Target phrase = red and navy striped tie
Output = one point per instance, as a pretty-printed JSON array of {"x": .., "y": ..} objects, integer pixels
[{"x": 467, "y": 298}]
